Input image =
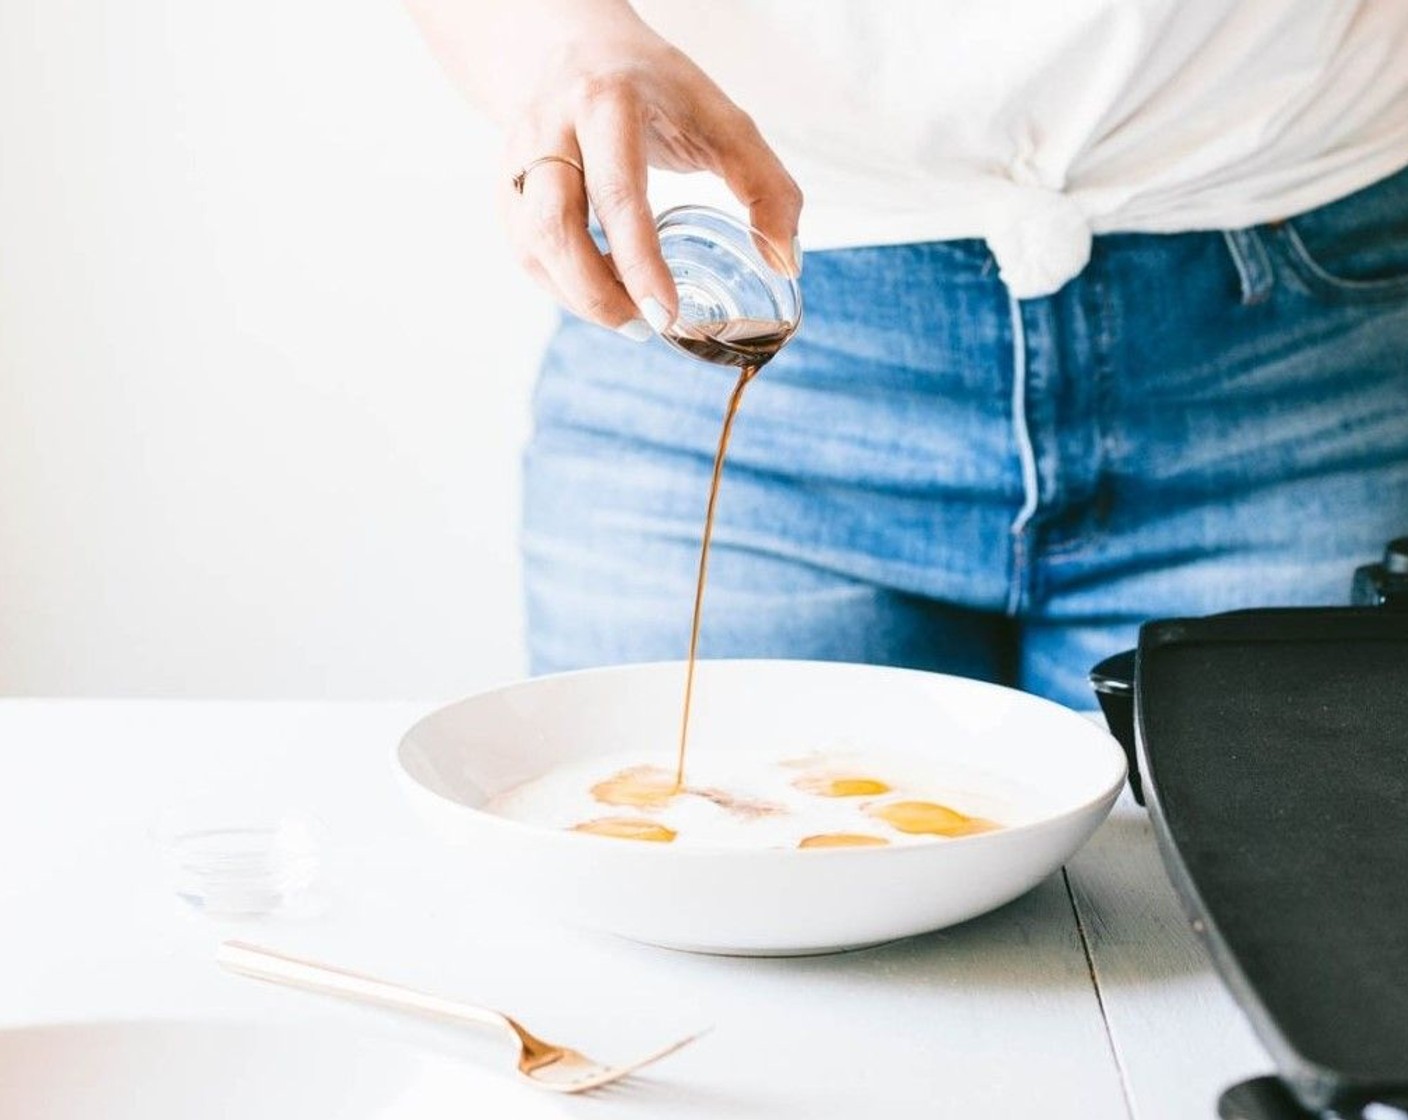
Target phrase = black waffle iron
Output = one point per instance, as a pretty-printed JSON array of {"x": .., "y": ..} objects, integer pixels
[{"x": 1272, "y": 746}]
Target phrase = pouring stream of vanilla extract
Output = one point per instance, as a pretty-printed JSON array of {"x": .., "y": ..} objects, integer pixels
[{"x": 748, "y": 344}]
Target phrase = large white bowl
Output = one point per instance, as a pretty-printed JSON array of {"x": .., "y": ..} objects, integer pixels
[{"x": 768, "y": 901}]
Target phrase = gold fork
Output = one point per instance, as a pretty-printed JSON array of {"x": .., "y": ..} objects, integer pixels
[{"x": 541, "y": 1063}]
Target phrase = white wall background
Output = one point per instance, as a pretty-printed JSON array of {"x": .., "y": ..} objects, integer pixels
[{"x": 264, "y": 357}]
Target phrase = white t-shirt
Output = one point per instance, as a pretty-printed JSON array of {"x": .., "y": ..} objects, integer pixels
[{"x": 1033, "y": 123}]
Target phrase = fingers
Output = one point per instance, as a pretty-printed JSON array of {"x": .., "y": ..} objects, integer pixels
[
  {"x": 548, "y": 225},
  {"x": 615, "y": 131},
  {"x": 610, "y": 132},
  {"x": 757, "y": 179}
]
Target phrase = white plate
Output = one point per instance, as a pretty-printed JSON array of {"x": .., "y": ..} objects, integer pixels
[
  {"x": 1064, "y": 770},
  {"x": 232, "y": 1071}
]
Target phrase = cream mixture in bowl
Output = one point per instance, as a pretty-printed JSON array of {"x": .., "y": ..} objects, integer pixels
[{"x": 745, "y": 799}]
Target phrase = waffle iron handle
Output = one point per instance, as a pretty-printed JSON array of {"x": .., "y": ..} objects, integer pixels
[
  {"x": 1384, "y": 584},
  {"x": 1269, "y": 1098},
  {"x": 1113, "y": 681},
  {"x": 1262, "y": 1098}
]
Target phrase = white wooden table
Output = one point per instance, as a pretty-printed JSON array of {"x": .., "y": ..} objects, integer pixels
[{"x": 1087, "y": 998}]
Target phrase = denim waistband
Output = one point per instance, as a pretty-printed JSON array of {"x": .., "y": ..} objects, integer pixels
[{"x": 1381, "y": 206}]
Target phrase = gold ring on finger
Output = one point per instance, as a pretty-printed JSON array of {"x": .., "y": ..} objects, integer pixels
[{"x": 527, "y": 167}]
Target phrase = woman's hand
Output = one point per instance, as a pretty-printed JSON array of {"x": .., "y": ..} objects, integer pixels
[{"x": 587, "y": 79}]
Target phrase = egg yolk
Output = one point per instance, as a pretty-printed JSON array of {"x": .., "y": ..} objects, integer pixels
[
  {"x": 627, "y": 828},
  {"x": 927, "y": 818},
  {"x": 842, "y": 840},
  {"x": 825, "y": 785},
  {"x": 642, "y": 787}
]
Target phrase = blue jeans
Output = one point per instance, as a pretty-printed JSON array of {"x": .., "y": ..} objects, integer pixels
[{"x": 934, "y": 475}]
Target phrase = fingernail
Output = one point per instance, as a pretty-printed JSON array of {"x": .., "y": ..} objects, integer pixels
[
  {"x": 797, "y": 255},
  {"x": 655, "y": 314},
  {"x": 637, "y": 330}
]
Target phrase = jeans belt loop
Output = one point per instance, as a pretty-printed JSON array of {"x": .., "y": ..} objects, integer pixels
[{"x": 1248, "y": 252}]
